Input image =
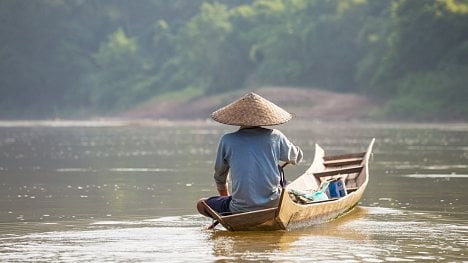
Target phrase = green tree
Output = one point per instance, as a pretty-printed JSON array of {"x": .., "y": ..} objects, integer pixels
[
  {"x": 61, "y": 58},
  {"x": 199, "y": 47},
  {"x": 306, "y": 43},
  {"x": 33, "y": 73},
  {"x": 119, "y": 68},
  {"x": 422, "y": 68}
]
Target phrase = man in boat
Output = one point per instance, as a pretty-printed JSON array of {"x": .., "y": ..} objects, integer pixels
[{"x": 251, "y": 155}]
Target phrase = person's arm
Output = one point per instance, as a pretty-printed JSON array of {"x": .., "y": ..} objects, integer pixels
[
  {"x": 221, "y": 171},
  {"x": 290, "y": 153},
  {"x": 295, "y": 154}
]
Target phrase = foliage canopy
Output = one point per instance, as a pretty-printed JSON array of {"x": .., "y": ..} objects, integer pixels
[{"x": 72, "y": 58}]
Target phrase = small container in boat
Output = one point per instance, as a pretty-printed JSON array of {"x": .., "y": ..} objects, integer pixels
[
  {"x": 337, "y": 189},
  {"x": 321, "y": 195}
]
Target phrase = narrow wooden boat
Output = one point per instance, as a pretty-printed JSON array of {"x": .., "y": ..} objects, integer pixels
[{"x": 291, "y": 213}]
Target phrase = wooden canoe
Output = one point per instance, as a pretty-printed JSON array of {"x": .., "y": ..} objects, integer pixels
[{"x": 352, "y": 168}]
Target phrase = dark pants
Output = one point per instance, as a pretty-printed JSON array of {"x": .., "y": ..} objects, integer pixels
[{"x": 220, "y": 204}]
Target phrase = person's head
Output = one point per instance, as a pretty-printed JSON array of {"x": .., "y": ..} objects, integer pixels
[{"x": 252, "y": 110}]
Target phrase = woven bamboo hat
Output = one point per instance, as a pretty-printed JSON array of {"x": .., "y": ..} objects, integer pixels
[{"x": 251, "y": 110}]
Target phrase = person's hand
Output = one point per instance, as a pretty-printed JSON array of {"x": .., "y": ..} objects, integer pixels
[{"x": 223, "y": 189}]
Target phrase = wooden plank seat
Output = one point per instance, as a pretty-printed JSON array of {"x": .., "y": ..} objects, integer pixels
[
  {"x": 343, "y": 162},
  {"x": 347, "y": 170},
  {"x": 344, "y": 156}
]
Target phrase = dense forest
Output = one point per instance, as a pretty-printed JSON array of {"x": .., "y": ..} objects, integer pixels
[{"x": 74, "y": 58}]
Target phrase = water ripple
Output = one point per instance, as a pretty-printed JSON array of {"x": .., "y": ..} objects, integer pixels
[
  {"x": 370, "y": 234},
  {"x": 436, "y": 175}
]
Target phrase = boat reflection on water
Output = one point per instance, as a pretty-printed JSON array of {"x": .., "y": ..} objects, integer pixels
[{"x": 234, "y": 245}]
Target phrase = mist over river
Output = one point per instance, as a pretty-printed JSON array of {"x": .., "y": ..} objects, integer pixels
[{"x": 125, "y": 191}]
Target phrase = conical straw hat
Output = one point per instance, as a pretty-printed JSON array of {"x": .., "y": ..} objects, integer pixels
[{"x": 251, "y": 110}]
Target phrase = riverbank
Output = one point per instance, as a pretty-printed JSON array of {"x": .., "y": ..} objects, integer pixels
[{"x": 309, "y": 104}]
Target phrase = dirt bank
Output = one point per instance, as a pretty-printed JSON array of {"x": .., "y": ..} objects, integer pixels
[{"x": 304, "y": 103}]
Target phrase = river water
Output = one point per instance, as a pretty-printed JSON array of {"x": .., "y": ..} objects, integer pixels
[{"x": 116, "y": 191}]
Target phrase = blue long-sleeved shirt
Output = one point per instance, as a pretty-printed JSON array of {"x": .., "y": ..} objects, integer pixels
[{"x": 251, "y": 156}]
